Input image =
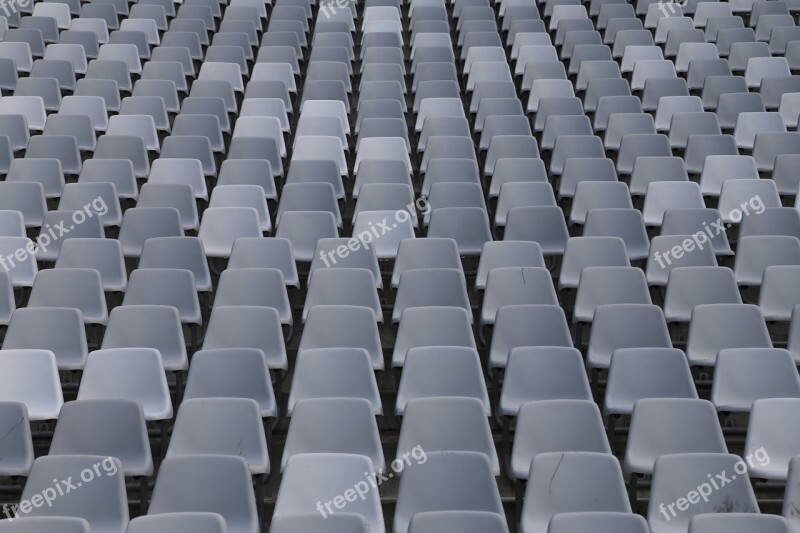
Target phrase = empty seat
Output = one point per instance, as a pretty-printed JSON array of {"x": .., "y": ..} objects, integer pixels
[
  {"x": 670, "y": 474},
  {"x": 238, "y": 508},
  {"x": 715, "y": 327},
  {"x": 102, "y": 503},
  {"x": 745, "y": 375},
  {"x": 301, "y": 487},
  {"x": 588, "y": 481}
]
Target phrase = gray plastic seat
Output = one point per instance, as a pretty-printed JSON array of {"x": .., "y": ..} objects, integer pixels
[
  {"x": 102, "y": 503},
  {"x": 567, "y": 147},
  {"x": 334, "y": 373},
  {"x": 659, "y": 87},
  {"x": 262, "y": 287},
  {"x": 18, "y": 261},
  {"x": 699, "y": 70},
  {"x": 684, "y": 125},
  {"x": 601, "y": 521},
  {"x": 621, "y": 124},
  {"x": 45, "y": 88},
  {"x": 444, "y": 170},
  {"x": 555, "y": 126},
  {"x": 221, "y": 226},
  {"x": 777, "y": 298},
  {"x": 483, "y": 495},
  {"x": 639, "y": 373},
  {"x": 31, "y": 378},
  {"x": 135, "y": 374},
  {"x": 141, "y": 223},
  {"x": 31, "y": 107},
  {"x": 715, "y": 86},
  {"x": 19, "y": 47},
  {"x": 521, "y": 194},
  {"x": 241, "y": 431},
  {"x": 165, "y": 286},
  {"x": 45, "y": 171},
  {"x": 79, "y": 288},
  {"x": 15, "y": 128},
  {"x": 464, "y": 521},
  {"x": 334, "y": 425},
  {"x": 441, "y": 371},
  {"x": 177, "y": 252},
  {"x": 510, "y": 286},
  {"x": 574, "y": 426},
  {"x": 200, "y": 522},
  {"x": 690, "y": 286},
  {"x": 761, "y": 429},
  {"x": 547, "y": 328},
  {"x": 673, "y": 471},
  {"x": 301, "y": 487},
  {"x": 246, "y": 326},
  {"x": 11, "y": 224},
  {"x": 18, "y": 450},
  {"x": 127, "y": 147},
  {"x": 78, "y": 126},
  {"x": 303, "y": 229},
  {"x": 687, "y": 222},
  {"x": 745, "y": 375},
  {"x": 626, "y": 223},
  {"x": 430, "y": 287},
  {"x": 238, "y": 508},
  {"x": 249, "y": 172},
  {"x": 423, "y": 327},
  {"x": 720, "y": 168},
  {"x": 425, "y": 253},
  {"x": 63, "y": 147},
  {"x": 609, "y": 105},
  {"x": 738, "y": 522},
  {"x": 661, "y": 196},
  {"x": 93, "y": 199},
  {"x": 759, "y": 252},
  {"x": 542, "y": 224},
  {"x": 589, "y": 481},
  {"x": 232, "y": 373},
  {"x": 716, "y": 327},
  {"x": 729, "y": 105},
  {"x": 469, "y": 226},
  {"x": 148, "y": 326},
  {"x": 324, "y": 328},
  {"x": 598, "y": 195},
  {"x": 59, "y": 69},
  {"x": 660, "y": 426},
  {"x": 767, "y": 221},
  {"x": 103, "y": 255},
  {"x": 108, "y": 427},
  {"x": 179, "y": 197},
  {"x": 770, "y": 145},
  {"x": 651, "y": 69},
  {"x": 583, "y": 252},
  {"x": 611, "y": 330},
  {"x": 736, "y": 197},
  {"x": 137, "y": 38},
  {"x": 609, "y": 285}
]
